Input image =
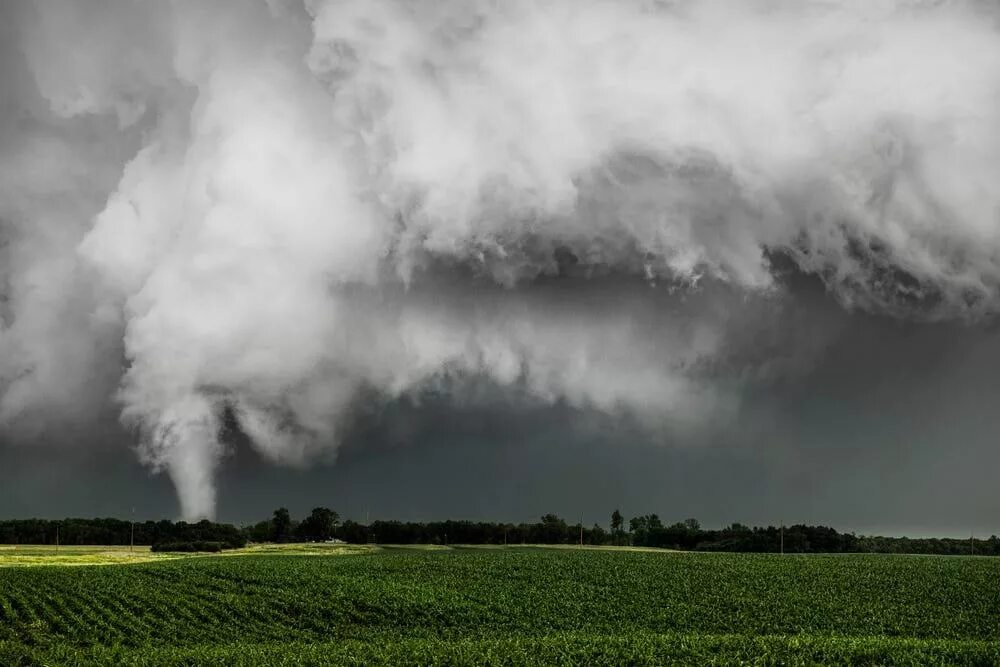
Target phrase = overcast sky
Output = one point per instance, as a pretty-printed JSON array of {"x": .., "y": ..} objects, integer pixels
[
  {"x": 417, "y": 260},
  {"x": 891, "y": 432}
]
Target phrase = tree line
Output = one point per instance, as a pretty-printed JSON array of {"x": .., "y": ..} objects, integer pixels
[
  {"x": 323, "y": 524},
  {"x": 118, "y": 532},
  {"x": 650, "y": 531}
]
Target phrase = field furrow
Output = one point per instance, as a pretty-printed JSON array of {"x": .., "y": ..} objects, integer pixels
[{"x": 505, "y": 606}]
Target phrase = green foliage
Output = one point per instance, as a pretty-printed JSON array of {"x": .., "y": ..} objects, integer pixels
[
  {"x": 324, "y": 523},
  {"x": 506, "y": 606},
  {"x": 282, "y": 525},
  {"x": 617, "y": 527},
  {"x": 564, "y": 649},
  {"x": 208, "y": 547},
  {"x": 319, "y": 525},
  {"x": 109, "y": 532}
]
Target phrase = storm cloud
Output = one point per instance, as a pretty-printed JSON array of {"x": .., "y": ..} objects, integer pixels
[{"x": 273, "y": 218}]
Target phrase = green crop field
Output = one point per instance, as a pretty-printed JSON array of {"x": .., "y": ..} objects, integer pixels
[{"x": 504, "y": 606}]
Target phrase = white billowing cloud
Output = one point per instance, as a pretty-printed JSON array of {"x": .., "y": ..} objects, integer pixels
[
  {"x": 278, "y": 209},
  {"x": 704, "y": 130},
  {"x": 225, "y": 248},
  {"x": 58, "y": 356}
]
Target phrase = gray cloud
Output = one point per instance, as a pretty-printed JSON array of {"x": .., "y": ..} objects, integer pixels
[{"x": 275, "y": 215}]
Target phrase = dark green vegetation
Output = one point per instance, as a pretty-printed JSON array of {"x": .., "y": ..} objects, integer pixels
[
  {"x": 506, "y": 606},
  {"x": 111, "y": 532},
  {"x": 322, "y": 524},
  {"x": 649, "y": 531}
]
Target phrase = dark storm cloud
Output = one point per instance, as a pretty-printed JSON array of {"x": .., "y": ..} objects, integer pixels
[
  {"x": 889, "y": 429},
  {"x": 273, "y": 227}
]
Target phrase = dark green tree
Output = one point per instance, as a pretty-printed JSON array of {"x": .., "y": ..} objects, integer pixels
[
  {"x": 646, "y": 530},
  {"x": 597, "y": 535},
  {"x": 554, "y": 530},
  {"x": 262, "y": 531},
  {"x": 320, "y": 524},
  {"x": 281, "y": 524},
  {"x": 617, "y": 526}
]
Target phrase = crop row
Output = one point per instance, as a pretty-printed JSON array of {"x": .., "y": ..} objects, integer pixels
[
  {"x": 567, "y": 649},
  {"x": 484, "y": 596}
]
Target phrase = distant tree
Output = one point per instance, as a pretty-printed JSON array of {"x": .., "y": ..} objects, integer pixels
[
  {"x": 597, "y": 535},
  {"x": 281, "y": 524},
  {"x": 353, "y": 532},
  {"x": 646, "y": 530},
  {"x": 262, "y": 531},
  {"x": 320, "y": 524},
  {"x": 554, "y": 530},
  {"x": 617, "y": 526}
]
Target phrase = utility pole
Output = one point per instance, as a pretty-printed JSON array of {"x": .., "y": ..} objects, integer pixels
[
  {"x": 581, "y": 530},
  {"x": 972, "y": 544},
  {"x": 131, "y": 539},
  {"x": 782, "y": 538},
  {"x": 505, "y": 537},
  {"x": 57, "y": 537}
]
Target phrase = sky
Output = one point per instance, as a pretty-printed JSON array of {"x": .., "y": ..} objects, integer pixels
[{"x": 730, "y": 261}]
